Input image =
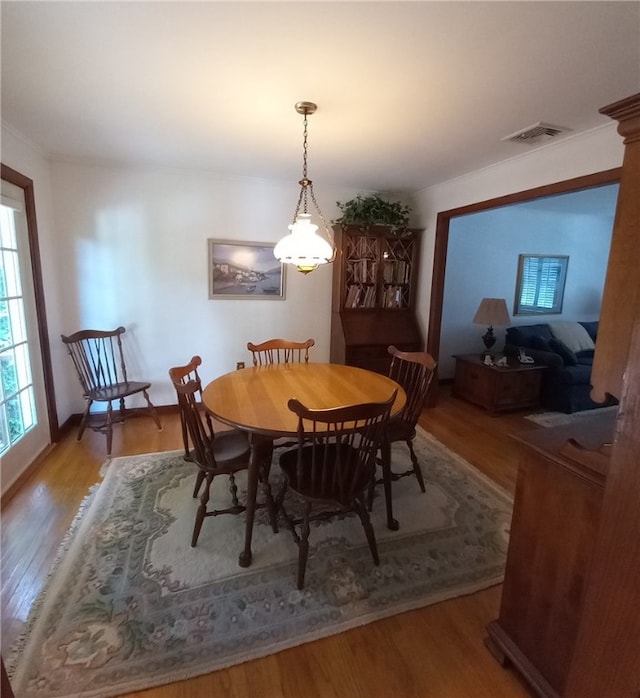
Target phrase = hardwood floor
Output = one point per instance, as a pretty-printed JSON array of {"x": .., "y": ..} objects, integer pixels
[{"x": 435, "y": 652}]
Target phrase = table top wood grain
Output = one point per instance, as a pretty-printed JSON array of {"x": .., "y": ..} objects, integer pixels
[{"x": 255, "y": 399}]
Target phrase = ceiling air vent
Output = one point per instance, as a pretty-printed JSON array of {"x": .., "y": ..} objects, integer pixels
[{"x": 536, "y": 133}]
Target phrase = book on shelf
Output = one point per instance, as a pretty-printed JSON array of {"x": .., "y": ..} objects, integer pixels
[
  {"x": 363, "y": 270},
  {"x": 396, "y": 272},
  {"x": 393, "y": 297},
  {"x": 361, "y": 296}
]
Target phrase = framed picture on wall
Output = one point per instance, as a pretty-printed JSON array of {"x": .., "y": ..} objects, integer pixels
[
  {"x": 540, "y": 284},
  {"x": 244, "y": 270}
]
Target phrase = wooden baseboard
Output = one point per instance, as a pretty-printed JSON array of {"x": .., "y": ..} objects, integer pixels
[{"x": 25, "y": 475}]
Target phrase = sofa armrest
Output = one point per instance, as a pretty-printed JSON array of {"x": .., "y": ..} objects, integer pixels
[{"x": 544, "y": 358}]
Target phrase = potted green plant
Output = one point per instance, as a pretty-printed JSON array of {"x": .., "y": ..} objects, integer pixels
[{"x": 374, "y": 210}]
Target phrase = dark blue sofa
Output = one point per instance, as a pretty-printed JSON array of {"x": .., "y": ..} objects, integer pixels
[{"x": 566, "y": 385}]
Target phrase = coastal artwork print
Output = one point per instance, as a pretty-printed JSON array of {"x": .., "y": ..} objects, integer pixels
[{"x": 244, "y": 270}]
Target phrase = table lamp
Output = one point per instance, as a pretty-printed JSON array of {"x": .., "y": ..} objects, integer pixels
[{"x": 491, "y": 311}]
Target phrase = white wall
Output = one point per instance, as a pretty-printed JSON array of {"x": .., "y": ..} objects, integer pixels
[
  {"x": 595, "y": 151},
  {"x": 122, "y": 245},
  {"x": 482, "y": 261},
  {"x": 134, "y": 245}
]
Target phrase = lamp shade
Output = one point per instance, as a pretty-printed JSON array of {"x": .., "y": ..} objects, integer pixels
[
  {"x": 492, "y": 311},
  {"x": 303, "y": 246}
]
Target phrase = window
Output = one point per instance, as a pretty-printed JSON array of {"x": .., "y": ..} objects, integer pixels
[
  {"x": 540, "y": 284},
  {"x": 17, "y": 407}
]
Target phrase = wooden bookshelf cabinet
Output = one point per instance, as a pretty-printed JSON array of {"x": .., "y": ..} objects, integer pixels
[{"x": 374, "y": 288}]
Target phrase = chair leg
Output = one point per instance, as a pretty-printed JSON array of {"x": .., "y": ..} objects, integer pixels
[
  {"x": 185, "y": 440},
  {"x": 109, "y": 428},
  {"x": 202, "y": 510},
  {"x": 371, "y": 491},
  {"x": 199, "y": 480},
  {"x": 416, "y": 466},
  {"x": 152, "y": 410},
  {"x": 83, "y": 421},
  {"x": 385, "y": 449},
  {"x": 233, "y": 488},
  {"x": 267, "y": 457},
  {"x": 280, "y": 496},
  {"x": 303, "y": 545},
  {"x": 271, "y": 507},
  {"x": 362, "y": 512}
]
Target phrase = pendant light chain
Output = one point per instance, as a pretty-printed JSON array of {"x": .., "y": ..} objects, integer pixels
[
  {"x": 305, "y": 134},
  {"x": 306, "y": 184},
  {"x": 305, "y": 181}
]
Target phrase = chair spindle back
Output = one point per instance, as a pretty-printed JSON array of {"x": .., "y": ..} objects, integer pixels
[
  {"x": 97, "y": 357},
  {"x": 280, "y": 351},
  {"x": 196, "y": 422},
  {"x": 414, "y": 372},
  {"x": 342, "y": 443}
]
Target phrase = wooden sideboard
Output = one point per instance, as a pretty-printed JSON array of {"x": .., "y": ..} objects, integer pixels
[{"x": 561, "y": 477}]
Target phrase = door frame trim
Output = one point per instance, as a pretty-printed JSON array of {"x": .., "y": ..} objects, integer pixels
[
  {"x": 442, "y": 241},
  {"x": 26, "y": 184}
]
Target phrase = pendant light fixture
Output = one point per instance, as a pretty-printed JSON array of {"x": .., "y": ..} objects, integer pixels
[{"x": 303, "y": 246}]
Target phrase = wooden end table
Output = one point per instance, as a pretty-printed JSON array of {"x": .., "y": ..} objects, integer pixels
[{"x": 497, "y": 388}]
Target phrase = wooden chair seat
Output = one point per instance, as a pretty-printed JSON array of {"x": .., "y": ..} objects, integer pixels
[
  {"x": 398, "y": 430},
  {"x": 118, "y": 390},
  {"x": 231, "y": 447}
]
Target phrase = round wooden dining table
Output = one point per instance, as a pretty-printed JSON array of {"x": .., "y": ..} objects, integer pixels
[{"x": 255, "y": 400}]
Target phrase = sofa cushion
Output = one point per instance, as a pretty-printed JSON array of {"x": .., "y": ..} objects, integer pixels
[
  {"x": 538, "y": 342},
  {"x": 585, "y": 357},
  {"x": 573, "y": 334},
  {"x": 568, "y": 356},
  {"x": 574, "y": 375},
  {"x": 522, "y": 335},
  {"x": 591, "y": 328}
]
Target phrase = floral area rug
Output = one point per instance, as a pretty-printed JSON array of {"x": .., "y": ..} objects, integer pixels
[{"x": 130, "y": 604}]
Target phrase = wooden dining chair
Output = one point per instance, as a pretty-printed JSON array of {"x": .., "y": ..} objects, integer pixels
[
  {"x": 215, "y": 453},
  {"x": 414, "y": 371},
  {"x": 280, "y": 351},
  {"x": 331, "y": 467},
  {"x": 98, "y": 358}
]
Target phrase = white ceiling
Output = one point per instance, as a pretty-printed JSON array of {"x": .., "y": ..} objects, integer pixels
[{"x": 409, "y": 94}]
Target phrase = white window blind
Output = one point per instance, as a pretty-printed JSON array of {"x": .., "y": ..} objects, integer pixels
[{"x": 540, "y": 284}]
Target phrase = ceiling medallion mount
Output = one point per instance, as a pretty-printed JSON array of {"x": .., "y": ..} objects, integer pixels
[{"x": 306, "y": 108}]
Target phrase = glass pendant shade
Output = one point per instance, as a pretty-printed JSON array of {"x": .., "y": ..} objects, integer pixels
[{"x": 303, "y": 246}]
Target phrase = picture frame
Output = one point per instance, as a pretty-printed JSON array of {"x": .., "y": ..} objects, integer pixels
[
  {"x": 540, "y": 284},
  {"x": 240, "y": 270}
]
